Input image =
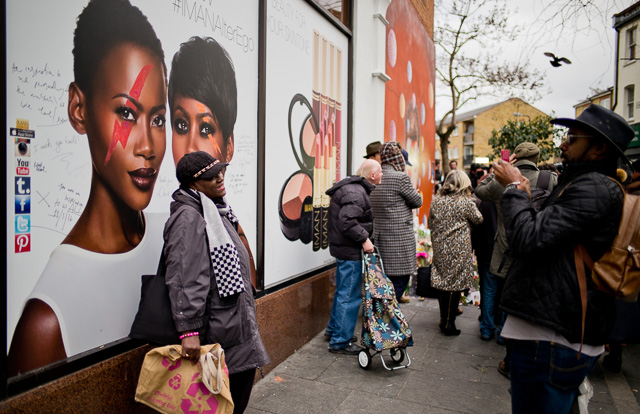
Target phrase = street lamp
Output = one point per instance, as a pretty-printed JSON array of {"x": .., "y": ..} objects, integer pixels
[{"x": 519, "y": 114}]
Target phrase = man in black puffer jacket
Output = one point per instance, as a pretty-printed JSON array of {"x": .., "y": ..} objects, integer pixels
[
  {"x": 350, "y": 226},
  {"x": 541, "y": 294}
]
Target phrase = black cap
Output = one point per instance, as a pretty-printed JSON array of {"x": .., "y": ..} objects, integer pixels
[
  {"x": 198, "y": 165},
  {"x": 602, "y": 123}
]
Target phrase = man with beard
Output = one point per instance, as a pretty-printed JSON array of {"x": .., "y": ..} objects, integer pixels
[{"x": 552, "y": 353}]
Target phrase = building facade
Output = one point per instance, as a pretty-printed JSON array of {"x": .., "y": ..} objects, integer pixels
[
  {"x": 626, "y": 99},
  {"x": 603, "y": 98},
  {"x": 470, "y": 140}
]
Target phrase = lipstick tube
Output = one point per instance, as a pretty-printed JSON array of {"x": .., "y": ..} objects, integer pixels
[
  {"x": 325, "y": 198},
  {"x": 332, "y": 116},
  {"x": 315, "y": 92},
  {"x": 317, "y": 198},
  {"x": 337, "y": 136}
]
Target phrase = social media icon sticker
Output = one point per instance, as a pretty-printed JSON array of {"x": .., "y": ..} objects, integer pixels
[
  {"x": 23, "y": 204},
  {"x": 23, "y": 243},
  {"x": 23, "y": 223},
  {"x": 23, "y": 147},
  {"x": 23, "y": 185}
]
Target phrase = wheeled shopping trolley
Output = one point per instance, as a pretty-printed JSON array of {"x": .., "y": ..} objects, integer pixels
[{"x": 384, "y": 327}]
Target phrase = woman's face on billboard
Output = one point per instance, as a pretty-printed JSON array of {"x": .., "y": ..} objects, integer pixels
[
  {"x": 124, "y": 120},
  {"x": 195, "y": 128}
]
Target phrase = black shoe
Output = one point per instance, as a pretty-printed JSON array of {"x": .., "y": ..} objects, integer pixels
[
  {"x": 448, "y": 331},
  {"x": 612, "y": 364},
  {"x": 502, "y": 368},
  {"x": 487, "y": 337},
  {"x": 328, "y": 338},
  {"x": 501, "y": 340},
  {"x": 351, "y": 349}
]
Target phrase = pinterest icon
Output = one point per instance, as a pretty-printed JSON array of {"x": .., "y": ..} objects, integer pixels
[{"x": 23, "y": 243}]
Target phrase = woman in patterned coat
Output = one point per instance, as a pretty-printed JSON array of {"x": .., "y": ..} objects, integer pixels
[
  {"x": 451, "y": 216},
  {"x": 392, "y": 202}
]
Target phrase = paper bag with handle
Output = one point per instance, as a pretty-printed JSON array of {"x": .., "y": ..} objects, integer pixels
[{"x": 171, "y": 384}]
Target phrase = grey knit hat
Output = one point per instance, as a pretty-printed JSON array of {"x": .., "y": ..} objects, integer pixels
[{"x": 527, "y": 151}]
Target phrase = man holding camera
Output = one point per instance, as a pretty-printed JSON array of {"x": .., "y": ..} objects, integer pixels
[{"x": 552, "y": 352}]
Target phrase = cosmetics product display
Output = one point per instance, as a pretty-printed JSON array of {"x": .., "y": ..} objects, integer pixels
[
  {"x": 296, "y": 204},
  {"x": 303, "y": 205}
]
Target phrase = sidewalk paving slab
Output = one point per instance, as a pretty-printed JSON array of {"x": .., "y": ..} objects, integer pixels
[{"x": 455, "y": 374}]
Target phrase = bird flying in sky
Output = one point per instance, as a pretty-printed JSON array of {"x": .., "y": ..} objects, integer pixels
[{"x": 556, "y": 61}]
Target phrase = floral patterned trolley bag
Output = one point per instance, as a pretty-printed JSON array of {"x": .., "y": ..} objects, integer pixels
[{"x": 384, "y": 327}]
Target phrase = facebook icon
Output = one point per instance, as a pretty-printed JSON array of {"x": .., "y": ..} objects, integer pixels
[{"x": 23, "y": 204}]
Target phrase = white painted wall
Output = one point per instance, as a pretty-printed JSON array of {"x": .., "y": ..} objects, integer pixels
[
  {"x": 369, "y": 54},
  {"x": 628, "y": 72}
]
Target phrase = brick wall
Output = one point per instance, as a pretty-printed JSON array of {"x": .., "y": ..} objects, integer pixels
[
  {"x": 495, "y": 118},
  {"x": 424, "y": 8}
]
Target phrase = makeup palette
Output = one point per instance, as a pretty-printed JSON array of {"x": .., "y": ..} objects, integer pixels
[
  {"x": 295, "y": 204},
  {"x": 295, "y": 207}
]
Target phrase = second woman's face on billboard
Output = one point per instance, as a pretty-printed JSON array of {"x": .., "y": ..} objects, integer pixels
[
  {"x": 125, "y": 123},
  {"x": 195, "y": 128}
]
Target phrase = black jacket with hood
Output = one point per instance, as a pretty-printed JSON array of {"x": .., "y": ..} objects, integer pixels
[
  {"x": 350, "y": 217},
  {"x": 542, "y": 286}
]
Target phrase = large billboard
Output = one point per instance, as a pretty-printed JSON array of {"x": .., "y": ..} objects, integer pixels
[
  {"x": 94, "y": 129},
  {"x": 305, "y": 139}
]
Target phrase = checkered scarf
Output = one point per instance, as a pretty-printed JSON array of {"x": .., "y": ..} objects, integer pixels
[
  {"x": 391, "y": 153},
  {"x": 224, "y": 254}
]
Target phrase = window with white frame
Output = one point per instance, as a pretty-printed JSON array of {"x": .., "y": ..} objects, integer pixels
[
  {"x": 449, "y": 153},
  {"x": 468, "y": 151},
  {"x": 455, "y": 153},
  {"x": 629, "y": 98},
  {"x": 631, "y": 42},
  {"x": 605, "y": 103},
  {"x": 455, "y": 131},
  {"x": 437, "y": 154}
]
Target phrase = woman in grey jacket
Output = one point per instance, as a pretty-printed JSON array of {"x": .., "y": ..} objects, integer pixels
[
  {"x": 392, "y": 202},
  {"x": 208, "y": 265}
]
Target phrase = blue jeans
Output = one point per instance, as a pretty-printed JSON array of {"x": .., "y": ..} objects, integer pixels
[
  {"x": 346, "y": 302},
  {"x": 489, "y": 283},
  {"x": 545, "y": 376}
]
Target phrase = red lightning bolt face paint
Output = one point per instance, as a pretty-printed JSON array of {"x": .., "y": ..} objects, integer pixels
[
  {"x": 126, "y": 105},
  {"x": 204, "y": 110},
  {"x": 121, "y": 131},
  {"x": 195, "y": 128}
]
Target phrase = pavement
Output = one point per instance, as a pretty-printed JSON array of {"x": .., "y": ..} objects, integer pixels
[{"x": 446, "y": 375}]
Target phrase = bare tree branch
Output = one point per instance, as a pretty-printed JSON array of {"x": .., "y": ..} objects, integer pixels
[{"x": 465, "y": 64}]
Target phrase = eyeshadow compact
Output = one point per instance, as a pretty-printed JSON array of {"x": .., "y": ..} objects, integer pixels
[
  {"x": 295, "y": 204},
  {"x": 295, "y": 207}
]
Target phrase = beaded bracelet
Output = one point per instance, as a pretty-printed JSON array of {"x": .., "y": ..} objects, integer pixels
[{"x": 196, "y": 333}]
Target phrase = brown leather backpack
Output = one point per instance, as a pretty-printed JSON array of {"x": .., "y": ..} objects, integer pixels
[{"x": 617, "y": 272}]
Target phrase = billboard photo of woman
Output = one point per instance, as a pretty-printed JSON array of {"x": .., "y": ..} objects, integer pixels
[{"x": 118, "y": 99}]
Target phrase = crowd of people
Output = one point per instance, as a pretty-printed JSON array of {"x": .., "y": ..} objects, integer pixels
[{"x": 518, "y": 222}]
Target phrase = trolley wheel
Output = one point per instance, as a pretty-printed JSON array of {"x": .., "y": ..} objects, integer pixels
[
  {"x": 397, "y": 355},
  {"x": 364, "y": 359}
]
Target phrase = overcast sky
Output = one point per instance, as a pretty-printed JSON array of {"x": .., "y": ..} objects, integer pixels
[{"x": 588, "y": 41}]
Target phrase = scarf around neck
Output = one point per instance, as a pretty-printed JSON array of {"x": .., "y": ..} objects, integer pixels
[{"x": 224, "y": 255}]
